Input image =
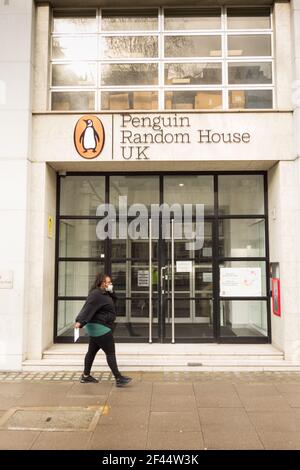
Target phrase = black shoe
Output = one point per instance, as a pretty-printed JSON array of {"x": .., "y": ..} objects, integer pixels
[
  {"x": 88, "y": 379},
  {"x": 122, "y": 381}
]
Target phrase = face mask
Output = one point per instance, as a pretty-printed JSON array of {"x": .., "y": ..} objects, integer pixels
[{"x": 109, "y": 288}]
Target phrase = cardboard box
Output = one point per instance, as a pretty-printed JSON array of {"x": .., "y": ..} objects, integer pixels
[
  {"x": 119, "y": 101},
  {"x": 184, "y": 106},
  {"x": 237, "y": 99},
  {"x": 208, "y": 100},
  {"x": 142, "y": 100}
]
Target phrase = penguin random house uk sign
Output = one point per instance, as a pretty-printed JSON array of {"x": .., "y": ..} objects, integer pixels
[
  {"x": 138, "y": 137},
  {"x": 178, "y": 136}
]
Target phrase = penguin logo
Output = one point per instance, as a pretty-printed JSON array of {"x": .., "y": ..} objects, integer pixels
[{"x": 89, "y": 137}]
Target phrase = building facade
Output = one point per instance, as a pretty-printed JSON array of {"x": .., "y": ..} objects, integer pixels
[{"x": 159, "y": 145}]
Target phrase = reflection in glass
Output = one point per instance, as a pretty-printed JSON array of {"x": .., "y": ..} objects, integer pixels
[
  {"x": 129, "y": 74},
  {"x": 138, "y": 189},
  {"x": 126, "y": 47},
  {"x": 248, "y": 18},
  {"x": 74, "y": 74},
  {"x": 81, "y": 195},
  {"x": 192, "y": 19},
  {"x": 78, "y": 47},
  {"x": 243, "y": 237},
  {"x": 188, "y": 99},
  {"x": 66, "y": 313},
  {"x": 72, "y": 100},
  {"x": 203, "y": 280},
  {"x": 75, "y": 278},
  {"x": 241, "y": 194},
  {"x": 118, "y": 272},
  {"x": 249, "y": 45},
  {"x": 249, "y": 72},
  {"x": 204, "y": 312},
  {"x": 192, "y": 46},
  {"x": 193, "y": 74},
  {"x": 121, "y": 100},
  {"x": 78, "y": 238},
  {"x": 71, "y": 21},
  {"x": 250, "y": 99},
  {"x": 243, "y": 318},
  {"x": 129, "y": 20},
  {"x": 198, "y": 189}
]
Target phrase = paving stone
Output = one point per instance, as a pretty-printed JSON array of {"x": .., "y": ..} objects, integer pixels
[
  {"x": 265, "y": 403},
  {"x": 225, "y": 439},
  {"x": 266, "y": 421},
  {"x": 173, "y": 388},
  {"x": 130, "y": 418},
  {"x": 116, "y": 438},
  {"x": 173, "y": 403},
  {"x": 17, "y": 440},
  {"x": 212, "y": 395},
  {"x": 175, "y": 440},
  {"x": 275, "y": 440},
  {"x": 62, "y": 441},
  {"x": 225, "y": 418},
  {"x": 174, "y": 421}
]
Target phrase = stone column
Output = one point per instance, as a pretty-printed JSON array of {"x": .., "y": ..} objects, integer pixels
[{"x": 16, "y": 21}]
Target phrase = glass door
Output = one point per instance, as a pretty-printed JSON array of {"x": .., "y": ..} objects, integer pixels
[{"x": 187, "y": 299}]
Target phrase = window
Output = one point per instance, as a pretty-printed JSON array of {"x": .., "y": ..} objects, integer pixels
[{"x": 162, "y": 58}]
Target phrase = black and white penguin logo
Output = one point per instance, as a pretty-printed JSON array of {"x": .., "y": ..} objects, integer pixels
[{"x": 89, "y": 136}]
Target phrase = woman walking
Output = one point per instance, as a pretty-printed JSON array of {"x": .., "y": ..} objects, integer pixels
[{"x": 98, "y": 316}]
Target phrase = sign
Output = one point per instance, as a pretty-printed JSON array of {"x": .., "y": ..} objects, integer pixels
[
  {"x": 184, "y": 266},
  {"x": 240, "y": 282},
  {"x": 6, "y": 279},
  {"x": 50, "y": 226},
  {"x": 276, "y": 306},
  {"x": 137, "y": 136},
  {"x": 143, "y": 278},
  {"x": 89, "y": 137},
  {"x": 165, "y": 136},
  {"x": 207, "y": 277}
]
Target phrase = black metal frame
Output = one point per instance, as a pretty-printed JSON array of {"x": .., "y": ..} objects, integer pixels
[{"x": 215, "y": 259}]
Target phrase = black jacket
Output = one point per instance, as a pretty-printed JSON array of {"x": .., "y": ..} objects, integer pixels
[{"x": 99, "y": 307}]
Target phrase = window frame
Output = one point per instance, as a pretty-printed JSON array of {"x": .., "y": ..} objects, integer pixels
[{"x": 224, "y": 59}]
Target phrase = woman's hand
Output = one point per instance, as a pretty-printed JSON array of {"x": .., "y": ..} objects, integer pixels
[{"x": 77, "y": 325}]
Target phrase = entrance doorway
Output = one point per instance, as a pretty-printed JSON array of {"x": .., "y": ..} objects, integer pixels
[{"x": 168, "y": 289}]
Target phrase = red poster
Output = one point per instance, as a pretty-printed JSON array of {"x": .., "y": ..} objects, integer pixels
[{"x": 276, "y": 297}]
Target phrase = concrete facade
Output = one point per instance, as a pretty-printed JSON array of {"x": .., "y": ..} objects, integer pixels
[{"x": 30, "y": 158}]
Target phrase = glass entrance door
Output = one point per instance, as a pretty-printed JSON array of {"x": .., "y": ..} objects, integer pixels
[{"x": 187, "y": 288}]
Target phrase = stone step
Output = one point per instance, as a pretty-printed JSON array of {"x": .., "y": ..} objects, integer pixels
[
  {"x": 208, "y": 365},
  {"x": 156, "y": 356}
]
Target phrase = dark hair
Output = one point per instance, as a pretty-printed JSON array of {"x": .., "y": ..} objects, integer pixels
[{"x": 98, "y": 281}]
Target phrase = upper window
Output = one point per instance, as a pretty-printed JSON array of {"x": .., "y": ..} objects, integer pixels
[{"x": 166, "y": 58}]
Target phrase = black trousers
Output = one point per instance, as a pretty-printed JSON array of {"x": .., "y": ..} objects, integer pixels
[{"x": 107, "y": 344}]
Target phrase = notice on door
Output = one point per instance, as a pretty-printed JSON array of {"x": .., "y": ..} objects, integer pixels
[
  {"x": 143, "y": 278},
  {"x": 240, "y": 282},
  {"x": 184, "y": 266}
]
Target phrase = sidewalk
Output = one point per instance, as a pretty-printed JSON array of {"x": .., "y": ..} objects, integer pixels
[{"x": 194, "y": 411}]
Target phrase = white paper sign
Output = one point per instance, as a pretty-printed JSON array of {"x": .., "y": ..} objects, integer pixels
[
  {"x": 184, "y": 266},
  {"x": 143, "y": 278},
  {"x": 240, "y": 282},
  {"x": 6, "y": 279},
  {"x": 207, "y": 277},
  {"x": 76, "y": 334}
]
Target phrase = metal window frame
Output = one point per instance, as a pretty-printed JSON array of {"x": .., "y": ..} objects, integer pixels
[
  {"x": 214, "y": 218},
  {"x": 161, "y": 33}
]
